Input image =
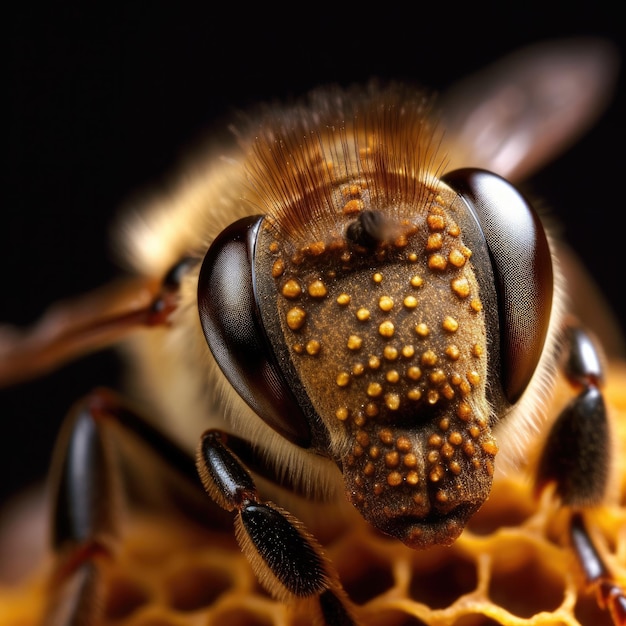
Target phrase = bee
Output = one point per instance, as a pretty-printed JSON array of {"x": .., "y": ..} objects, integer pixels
[{"x": 350, "y": 309}]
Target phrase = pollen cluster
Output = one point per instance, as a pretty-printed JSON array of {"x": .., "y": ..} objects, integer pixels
[
  {"x": 511, "y": 567},
  {"x": 388, "y": 340}
]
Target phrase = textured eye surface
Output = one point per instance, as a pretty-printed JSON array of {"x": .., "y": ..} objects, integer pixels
[
  {"x": 234, "y": 331},
  {"x": 522, "y": 270}
]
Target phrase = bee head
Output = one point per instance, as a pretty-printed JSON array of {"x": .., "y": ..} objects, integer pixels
[{"x": 367, "y": 314}]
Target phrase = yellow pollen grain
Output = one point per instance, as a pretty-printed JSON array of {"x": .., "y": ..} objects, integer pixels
[
  {"x": 456, "y": 258},
  {"x": 342, "y": 413},
  {"x": 474, "y": 431},
  {"x": 449, "y": 324},
  {"x": 373, "y": 363},
  {"x": 473, "y": 377},
  {"x": 433, "y": 457},
  {"x": 313, "y": 347},
  {"x": 437, "y": 377},
  {"x": 316, "y": 248},
  {"x": 358, "y": 418},
  {"x": 343, "y": 299},
  {"x": 422, "y": 330},
  {"x": 436, "y": 474},
  {"x": 464, "y": 411},
  {"x": 435, "y": 242},
  {"x": 386, "y": 329},
  {"x": 298, "y": 348},
  {"x": 343, "y": 379},
  {"x": 296, "y": 318},
  {"x": 469, "y": 449},
  {"x": 456, "y": 379},
  {"x": 407, "y": 351},
  {"x": 392, "y": 376},
  {"x": 377, "y": 278},
  {"x": 273, "y": 247},
  {"x": 357, "y": 450},
  {"x": 432, "y": 397},
  {"x": 358, "y": 369},
  {"x": 354, "y": 342},
  {"x": 369, "y": 469},
  {"x": 291, "y": 289},
  {"x": 392, "y": 459},
  {"x": 374, "y": 390},
  {"x": 352, "y": 206},
  {"x": 386, "y": 436},
  {"x": 374, "y": 452},
  {"x": 435, "y": 222},
  {"x": 435, "y": 440},
  {"x": 412, "y": 478},
  {"x": 394, "y": 479},
  {"x": 477, "y": 350},
  {"x": 385, "y": 303},
  {"x": 410, "y": 460},
  {"x": 490, "y": 447},
  {"x": 454, "y": 467},
  {"x": 437, "y": 261},
  {"x": 416, "y": 281},
  {"x": 446, "y": 391},
  {"x": 317, "y": 289},
  {"x": 390, "y": 353},
  {"x": 465, "y": 388},
  {"x": 351, "y": 190},
  {"x": 414, "y": 394},
  {"x": 455, "y": 438},
  {"x": 403, "y": 444},
  {"x": 363, "y": 314},
  {"x": 414, "y": 372},
  {"x": 444, "y": 424},
  {"x": 410, "y": 302},
  {"x": 371, "y": 409},
  {"x": 489, "y": 467},
  {"x": 461, "y": 287},
  {"x": 454, "y": 230},
  {"x": 447, "y": 451},
  {"x": 392, "y": 400},
  {"x": 412, "y": 257},
  {"x": 278, "y": 268},
  {"x": 442, "y": 496},
  {"x": 453, "y": 352},
  {"x": 429, "y": 358},
  {"x": 476, "y": 305},
  {"x": 363, "y": 439}
]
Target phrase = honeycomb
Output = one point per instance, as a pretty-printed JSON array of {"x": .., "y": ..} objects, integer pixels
[{"x": 511, "y": 566}]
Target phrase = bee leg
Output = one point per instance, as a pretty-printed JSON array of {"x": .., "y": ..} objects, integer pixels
[
  {"x": 88, "y": 489},
  {"x": 285, "y": 557},
  {"x": 577, "y": 459}
]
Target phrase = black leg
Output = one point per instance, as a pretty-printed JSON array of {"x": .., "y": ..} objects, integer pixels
[
  {"x": 577, "y": 460},
  {"x": 285, "y": 557},
  {"x": 88, "y": 495}
]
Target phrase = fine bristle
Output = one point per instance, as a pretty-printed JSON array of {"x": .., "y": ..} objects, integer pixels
[{"x": 301, "y": 158}]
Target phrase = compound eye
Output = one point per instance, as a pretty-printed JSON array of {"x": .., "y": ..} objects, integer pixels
[
  {"x": 232, "y": 325},
  {"x": 522, "y": 269}
]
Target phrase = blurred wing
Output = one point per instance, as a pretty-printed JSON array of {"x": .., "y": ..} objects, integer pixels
[{"x": 521, "y": 112}]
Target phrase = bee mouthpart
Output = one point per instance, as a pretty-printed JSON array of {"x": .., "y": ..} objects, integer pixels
[{"x": 431, "y": 530}]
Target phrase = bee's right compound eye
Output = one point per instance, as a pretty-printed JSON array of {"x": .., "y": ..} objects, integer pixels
[
  {"x": 234, "y": 330},
  {"x": 522, "y": 271}
]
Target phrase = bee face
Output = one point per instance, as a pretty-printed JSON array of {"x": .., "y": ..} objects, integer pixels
[{"x": 372, "y": 315}]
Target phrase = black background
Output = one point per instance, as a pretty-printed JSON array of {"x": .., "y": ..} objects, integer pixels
[{"x": 103, "y": 103}]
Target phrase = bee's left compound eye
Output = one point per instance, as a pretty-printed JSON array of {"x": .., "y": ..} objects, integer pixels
[
  {"x": 522, "y": 273},
  {"x": 231, "y": 320}
]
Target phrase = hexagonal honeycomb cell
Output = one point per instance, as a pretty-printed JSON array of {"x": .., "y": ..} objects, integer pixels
[{"x": 512, "y": 566}]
